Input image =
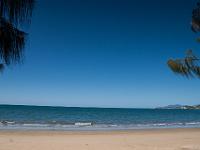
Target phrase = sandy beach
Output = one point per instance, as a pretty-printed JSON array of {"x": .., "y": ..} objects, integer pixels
[{"x": 155, "y": 139}]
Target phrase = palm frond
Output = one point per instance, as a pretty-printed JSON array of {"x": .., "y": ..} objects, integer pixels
[
  {"x": 12, "y": 42},
  {"x": 187, "y": 66},
  {"x": 179, "y": 68},
  {"x": 195, "y": 25},
  {"x": 16, "y": 11},
  {"x": 196, "y": 71},
  {"x": 13, "y": 13},
  {"x": 1, "y": 67}
]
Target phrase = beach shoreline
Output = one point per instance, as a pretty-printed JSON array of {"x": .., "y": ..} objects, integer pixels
[
  {"x": 167, "y": 139},
  {"x": 134, "y": 130}
]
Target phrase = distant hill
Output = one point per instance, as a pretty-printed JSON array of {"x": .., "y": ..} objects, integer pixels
[{"x": 180, "y": 107}]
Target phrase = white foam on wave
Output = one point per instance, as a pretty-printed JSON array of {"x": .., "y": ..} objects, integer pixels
[
  {"x": 35, "y": 125},
  {"x": 159, "y": 124},
  {"x": 92, "y": 126},
  {"x": 83, "y": 124},
  {"x": 192, "y": 123},
  {"x": 6, "y": 122}
]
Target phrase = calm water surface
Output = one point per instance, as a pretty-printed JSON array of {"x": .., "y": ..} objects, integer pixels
[{"x": 69, "y": 118}]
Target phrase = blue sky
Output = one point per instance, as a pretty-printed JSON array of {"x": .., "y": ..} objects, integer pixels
[{"x": 104, "y": 53}]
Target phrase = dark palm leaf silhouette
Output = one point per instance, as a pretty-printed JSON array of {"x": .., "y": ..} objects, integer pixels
[
  {"x": 195, "y": 24},
  {"x": 13, "y": 14},
  {"x": 188, "y": 66}
]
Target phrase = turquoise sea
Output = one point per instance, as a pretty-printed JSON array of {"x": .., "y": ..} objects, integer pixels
[{"x": 74, "y": 118}]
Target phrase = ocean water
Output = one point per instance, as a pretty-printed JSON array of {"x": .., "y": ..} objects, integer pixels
[{"x": 70, "y": 118}]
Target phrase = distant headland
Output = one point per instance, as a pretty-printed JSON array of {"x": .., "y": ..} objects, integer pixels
[{"x": 180, "y": 107}]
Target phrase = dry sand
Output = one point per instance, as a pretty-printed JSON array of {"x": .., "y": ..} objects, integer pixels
[{"x": 158, "y": 139}]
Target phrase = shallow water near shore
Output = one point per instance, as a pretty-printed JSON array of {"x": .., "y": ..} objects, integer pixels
[{"x": 70, "y": 118}]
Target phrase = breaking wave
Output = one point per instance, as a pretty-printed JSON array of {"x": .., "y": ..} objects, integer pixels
[{"x": 91, "y": 125}]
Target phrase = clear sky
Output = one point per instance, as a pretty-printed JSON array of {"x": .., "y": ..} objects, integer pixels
[{"x": 104, "y": 53}]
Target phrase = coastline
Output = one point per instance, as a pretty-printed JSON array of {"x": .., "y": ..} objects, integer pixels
[
  {"x": 92, "y": 128},
  {"x": 167, "y": 139},
  {"x": 135, "y": 130}
]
